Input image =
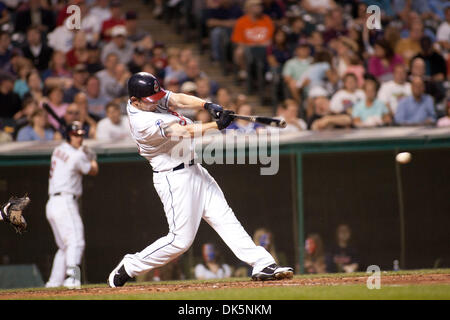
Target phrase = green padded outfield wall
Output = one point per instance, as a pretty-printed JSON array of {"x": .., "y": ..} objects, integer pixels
[{"x": 123, "y": 214}]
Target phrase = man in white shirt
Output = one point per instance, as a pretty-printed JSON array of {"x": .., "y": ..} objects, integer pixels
[
  {"x": 69, "y": 162},
  {"x": 114, "y": 126},
  {"x": 393, "y": 91},
  {"x": 443, "y": 32},
  {"x": 188, "y": 192}
]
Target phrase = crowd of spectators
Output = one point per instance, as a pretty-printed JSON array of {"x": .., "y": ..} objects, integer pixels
[
  {"x": 324, "y": 66},
  {"x": 342, "y": 69}
]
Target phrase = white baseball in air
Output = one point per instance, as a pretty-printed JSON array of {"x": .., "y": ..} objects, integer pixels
[{"x": 403, "y": 157}]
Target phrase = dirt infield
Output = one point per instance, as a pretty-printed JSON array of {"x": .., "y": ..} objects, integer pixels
[{"x": 406, "y": 279}]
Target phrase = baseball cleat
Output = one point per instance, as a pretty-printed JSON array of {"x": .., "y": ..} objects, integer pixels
[
  {"x": 72, "y": 283},
  {"x": 273, "y": 272},
  {"x": 118, "y": 277}
]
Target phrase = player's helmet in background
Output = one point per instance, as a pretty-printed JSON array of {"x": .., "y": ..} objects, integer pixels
[
  {"x": 76, "y": 129},
  {"x": 144, "y": 85}
]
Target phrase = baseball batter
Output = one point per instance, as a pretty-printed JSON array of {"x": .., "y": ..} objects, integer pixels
[
  {"x": 186, "y": 189},
  {"x": 69, "y": 162}
]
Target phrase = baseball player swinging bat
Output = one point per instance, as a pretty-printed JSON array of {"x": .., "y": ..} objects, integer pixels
[{"x": 273, "y": 122}]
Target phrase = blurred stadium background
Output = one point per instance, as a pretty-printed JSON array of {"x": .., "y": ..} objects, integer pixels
[{"x": 337, "y": 161}]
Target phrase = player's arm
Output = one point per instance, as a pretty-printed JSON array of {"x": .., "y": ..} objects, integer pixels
[
  {"x": 181, "y": 100},
  {"x": 94, "y": 168},
  {"x": 196, "y": 129}
]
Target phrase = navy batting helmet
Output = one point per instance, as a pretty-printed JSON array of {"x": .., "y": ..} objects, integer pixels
[
  {"x": 145, "y": 86},
  {"x": 75, "y": 128}
]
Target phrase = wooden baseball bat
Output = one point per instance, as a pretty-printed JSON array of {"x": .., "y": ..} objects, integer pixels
[{"x": 268, "y": 121}]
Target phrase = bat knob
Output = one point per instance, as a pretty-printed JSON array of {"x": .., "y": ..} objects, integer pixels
[{"x": 283, "y": 124}]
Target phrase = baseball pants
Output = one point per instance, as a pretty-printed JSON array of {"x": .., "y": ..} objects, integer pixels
[
  {"x": 67, "y": 226},
  {"x": 188, "y": 195}
]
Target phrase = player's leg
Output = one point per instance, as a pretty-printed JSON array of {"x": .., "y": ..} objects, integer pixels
[
  {"x": 221, "y": 218},
  {"x": 58, "y": 272},
  {"x": 179, "y": 192},
  {"x": 74, "y": 243}
]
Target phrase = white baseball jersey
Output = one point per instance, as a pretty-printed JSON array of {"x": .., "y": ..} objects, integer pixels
[
  {"x": 147, "y": 130},
  {"x": 67, "y": 167}
]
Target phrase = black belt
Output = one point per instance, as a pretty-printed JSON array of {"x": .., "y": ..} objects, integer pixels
[
  {"x": 60, "y": 194},
  {"x": 179, "y": 167}
]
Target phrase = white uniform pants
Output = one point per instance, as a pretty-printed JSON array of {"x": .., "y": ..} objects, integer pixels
[
  {"x": 188, "y": 195},
  {"x": 65, "y": 221}
]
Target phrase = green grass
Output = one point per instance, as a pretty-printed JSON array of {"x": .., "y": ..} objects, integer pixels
[{"x": 347, "y": 291}]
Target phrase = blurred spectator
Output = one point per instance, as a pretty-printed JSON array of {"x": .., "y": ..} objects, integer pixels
[
  {"x": 115, "y": 19},
  {"x": 96, "y": 101},
  {"x": 203, "y": 89},
  {"x": 20, "y": 85},
  {"x": 4, "y": 14},
  {"x": 35, "y": 87},
  {"x": 203, "y": 116},
  {"x": 172, "y": 84},
  {"x": 138, "y": 60},
  {"x": 344, "y": 100},
  {"x": 34, "y": 15},
  {"x": 314, "y": 261},
  {"x": 435, "y": 66},
  {"x": 383, "y": 62},
  {"x": 55, "y": 101},
  {"x": 277, "y": 54},
  {"x": 189, "y": 88},
  {"x": 90, "y": 24},
  {"x": 10, "y": 102},
  {"x": 296, "y": 33},
  {"x": 443, "y": 32},
  {"x": 212, "y": 267},
  {"x": 93, "y": 63},
  {"x": 88, "y": 122},
  {"x": 342, "y": 257},
  {"x": 109, "y": 86},
  {"x": 391, "y": 92},
  {"x": 410, "y": 46},
  {"x": 137, "y": 36},
  {"x": 244, "y": 126},
  {"x": 223, "y": 98},
  {"x": 6, "y": 50},
  {"x": 115, "y": 126},
  {"x": 290, "y": 110},
  {"x": 433, "y": 88},
  {"x": 334, "y": 25},
  {"x": 316, "y": 73},
  {"x": 318, "y": 7},
  {"x": 174, "y": 69},
  {"x": 72, "y": 114},
  {"x": 346, "y": 50},
  {"x": 192, "y": 71},
  {"x": 61, "y": 38},
  {"x": 101, "y": 11},
  {"x": 417, "y": 109},
  {"x": 57, "y": 74},
  {"x": 220, "y": 21},
  {"x": 80, "y": 75},
  {"x": 370, "y": 112},
  {"x": 445, "y": 120},
  {"x": 274, "y": 9},
  {"x": 79, "y": 53},
  {"x": 295, "y": 68},
  {"x": 159, "y": 59},
  {"x": 264, "y": 238},
  {"x": 254, "y": 29},
  {"x": 38, "y": 129},
  {"x": 321, "y": 117},
  {"x": 37, "y": 51},
  {"x": 23, "y": 117},
  {"x": 119, "y": 45}
]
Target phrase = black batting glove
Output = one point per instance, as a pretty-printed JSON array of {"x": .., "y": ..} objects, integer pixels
[
  {"x": 214, "y": 109},
  {"x": 225, "y": 119}
]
